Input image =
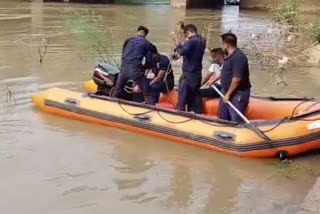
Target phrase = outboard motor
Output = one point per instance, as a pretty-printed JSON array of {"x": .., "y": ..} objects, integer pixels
[{"x": 105, "y": 76}]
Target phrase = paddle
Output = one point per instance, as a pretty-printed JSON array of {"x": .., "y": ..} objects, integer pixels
[{"x": 255, "y": 129}]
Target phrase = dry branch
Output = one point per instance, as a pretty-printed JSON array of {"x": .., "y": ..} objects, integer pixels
[
  {"x": 8, "y": 94},
  {"x": 45, "y": 47}
]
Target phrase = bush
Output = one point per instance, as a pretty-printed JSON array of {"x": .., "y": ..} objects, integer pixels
[
  {"x": 316, "y": 30},
  {"x": 286, "y": 13}
]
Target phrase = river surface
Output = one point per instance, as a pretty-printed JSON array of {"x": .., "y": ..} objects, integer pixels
[{"x": 50, "y": 164}]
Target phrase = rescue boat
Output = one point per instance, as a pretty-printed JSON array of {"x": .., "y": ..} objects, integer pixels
[{"x": 291, "y": 124}]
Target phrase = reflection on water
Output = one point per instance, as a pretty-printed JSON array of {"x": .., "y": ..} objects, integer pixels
[{"x": 55, "y": 165}]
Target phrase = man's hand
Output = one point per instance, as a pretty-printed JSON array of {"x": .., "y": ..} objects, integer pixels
[
  {"x": 210, "y": 81},
  {"x": 136, "y": 89},
  {"x": 175, "y": 38},
  {"x": 226, "y": 98}
]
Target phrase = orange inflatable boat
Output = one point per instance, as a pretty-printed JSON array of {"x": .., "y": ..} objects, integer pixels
[{"x": 292, "y": 125}]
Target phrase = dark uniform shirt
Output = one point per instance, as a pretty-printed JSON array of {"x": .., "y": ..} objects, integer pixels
[
  {"x": 236, "y": 65},
  {"x": 165, "y": 65},
  {"x": 192, "y": 51},
  {"x": 134, "y": 51}
]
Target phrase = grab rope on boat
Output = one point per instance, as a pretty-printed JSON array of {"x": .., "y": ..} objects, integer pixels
[
  {"x": 133, "y": 114},
  {"x": 205, "y": 122},
  {"x": 292, "y": 116},
  {"x": 174, "y": 122}
]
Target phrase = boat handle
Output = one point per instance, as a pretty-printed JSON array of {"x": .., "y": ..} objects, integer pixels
[
  {"x": 225, "y": 136},
  {"x": 142, "y": 117},
  {"x": 72, "y": 101}
]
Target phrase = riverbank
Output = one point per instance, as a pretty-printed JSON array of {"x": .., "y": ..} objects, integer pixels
[
  {"x": 311, "y": 204},
  {"x": 310, "y": 6}
]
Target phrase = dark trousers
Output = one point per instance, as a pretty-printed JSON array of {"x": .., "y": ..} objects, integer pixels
[
  {"x": 240, "y": 99},
  {"x": 156, "y": 89},
  {"x": 137, "y": 76},
  {"x": 210, "y": 92},
  {"x": 188, "y": 94}
]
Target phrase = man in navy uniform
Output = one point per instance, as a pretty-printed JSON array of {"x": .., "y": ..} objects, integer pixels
[
  {"x": 235, "y": 80},
  {"x": 192, "y": 51},
  {"x": 162, "y": 79},
  {"x": 135, "y": 51}
]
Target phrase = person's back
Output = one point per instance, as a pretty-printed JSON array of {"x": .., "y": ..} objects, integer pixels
[
  {"x": 165, "y": 64},
  {"x": 193, "y": 55},
  {"x": 163, "y": 79},
  {"x": 134, "y": 51}
]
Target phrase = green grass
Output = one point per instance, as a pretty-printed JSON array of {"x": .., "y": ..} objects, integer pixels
[
  {"x": 287, "y": 13},
  {"x": 316, "y": 30}
]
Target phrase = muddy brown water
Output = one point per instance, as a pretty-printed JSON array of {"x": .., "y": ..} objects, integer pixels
[{"x": 51, "y": 164}]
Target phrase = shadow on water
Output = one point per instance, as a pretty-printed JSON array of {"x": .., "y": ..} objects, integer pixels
[{"x": 68, "y": 165}]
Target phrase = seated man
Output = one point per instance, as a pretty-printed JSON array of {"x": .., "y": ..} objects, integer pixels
[
  {"x": 214, "y": 75},
  {"x": 161, "y": 76},
  {"x": 135, "y": 50}
]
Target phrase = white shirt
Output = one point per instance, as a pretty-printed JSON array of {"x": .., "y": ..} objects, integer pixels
[{"x": 216, "y": 70}]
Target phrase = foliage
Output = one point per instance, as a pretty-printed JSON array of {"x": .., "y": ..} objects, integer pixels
[
  {"x": 290, "y": 169},
  {"x": 316, "y": 30},
  {"x": 287, "y": 13},
  {"x": 90, "y": 35}
]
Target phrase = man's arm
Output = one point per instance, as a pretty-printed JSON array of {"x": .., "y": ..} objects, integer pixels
[
  {"x": 206, "y": 79},
  {"x": 125, "y": 44},
  {"x": 159, "y": 77},
  {"x": 184, "y": 49},
  {"x": 213, "y": 70},
  {"x": 238, "y": 68},
  {"x": 235, "y": 82}
]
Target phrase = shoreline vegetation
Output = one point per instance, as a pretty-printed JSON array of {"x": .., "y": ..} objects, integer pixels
[{"x": 288, "y": 41}]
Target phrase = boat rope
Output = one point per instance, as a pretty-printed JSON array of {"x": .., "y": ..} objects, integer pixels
[
  {"x": 297, "y": 106},
  {"x": 134, "y": 114},
  {"x": 310, "y": 119},
  {"x": 292, "y": 116},
  {"x": 314, "y": 104},
  {"x": 174, "y": 122},
  {"x": 276, "y": 126},
  {"x": 216, "y": 125}
]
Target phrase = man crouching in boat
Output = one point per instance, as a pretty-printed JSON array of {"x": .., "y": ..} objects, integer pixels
[
  {"x": 235, "y": 80},
  {"x": 135, "y": 50},
  {"x": 161, "y": 76}
]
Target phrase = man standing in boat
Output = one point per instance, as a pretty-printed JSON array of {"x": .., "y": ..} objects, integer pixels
[
  {"x": 192, "y": 51},
  {"x": 135, "y": 50},
  {"x": 235, "y": 80}
]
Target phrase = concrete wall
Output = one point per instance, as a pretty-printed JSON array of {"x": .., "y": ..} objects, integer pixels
[
  {"x": 197, "y": 3},
  {"x": 179, "y": 3},
  {"x": 83, "y": 1},
  {"x": 308, "y": 5}
]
